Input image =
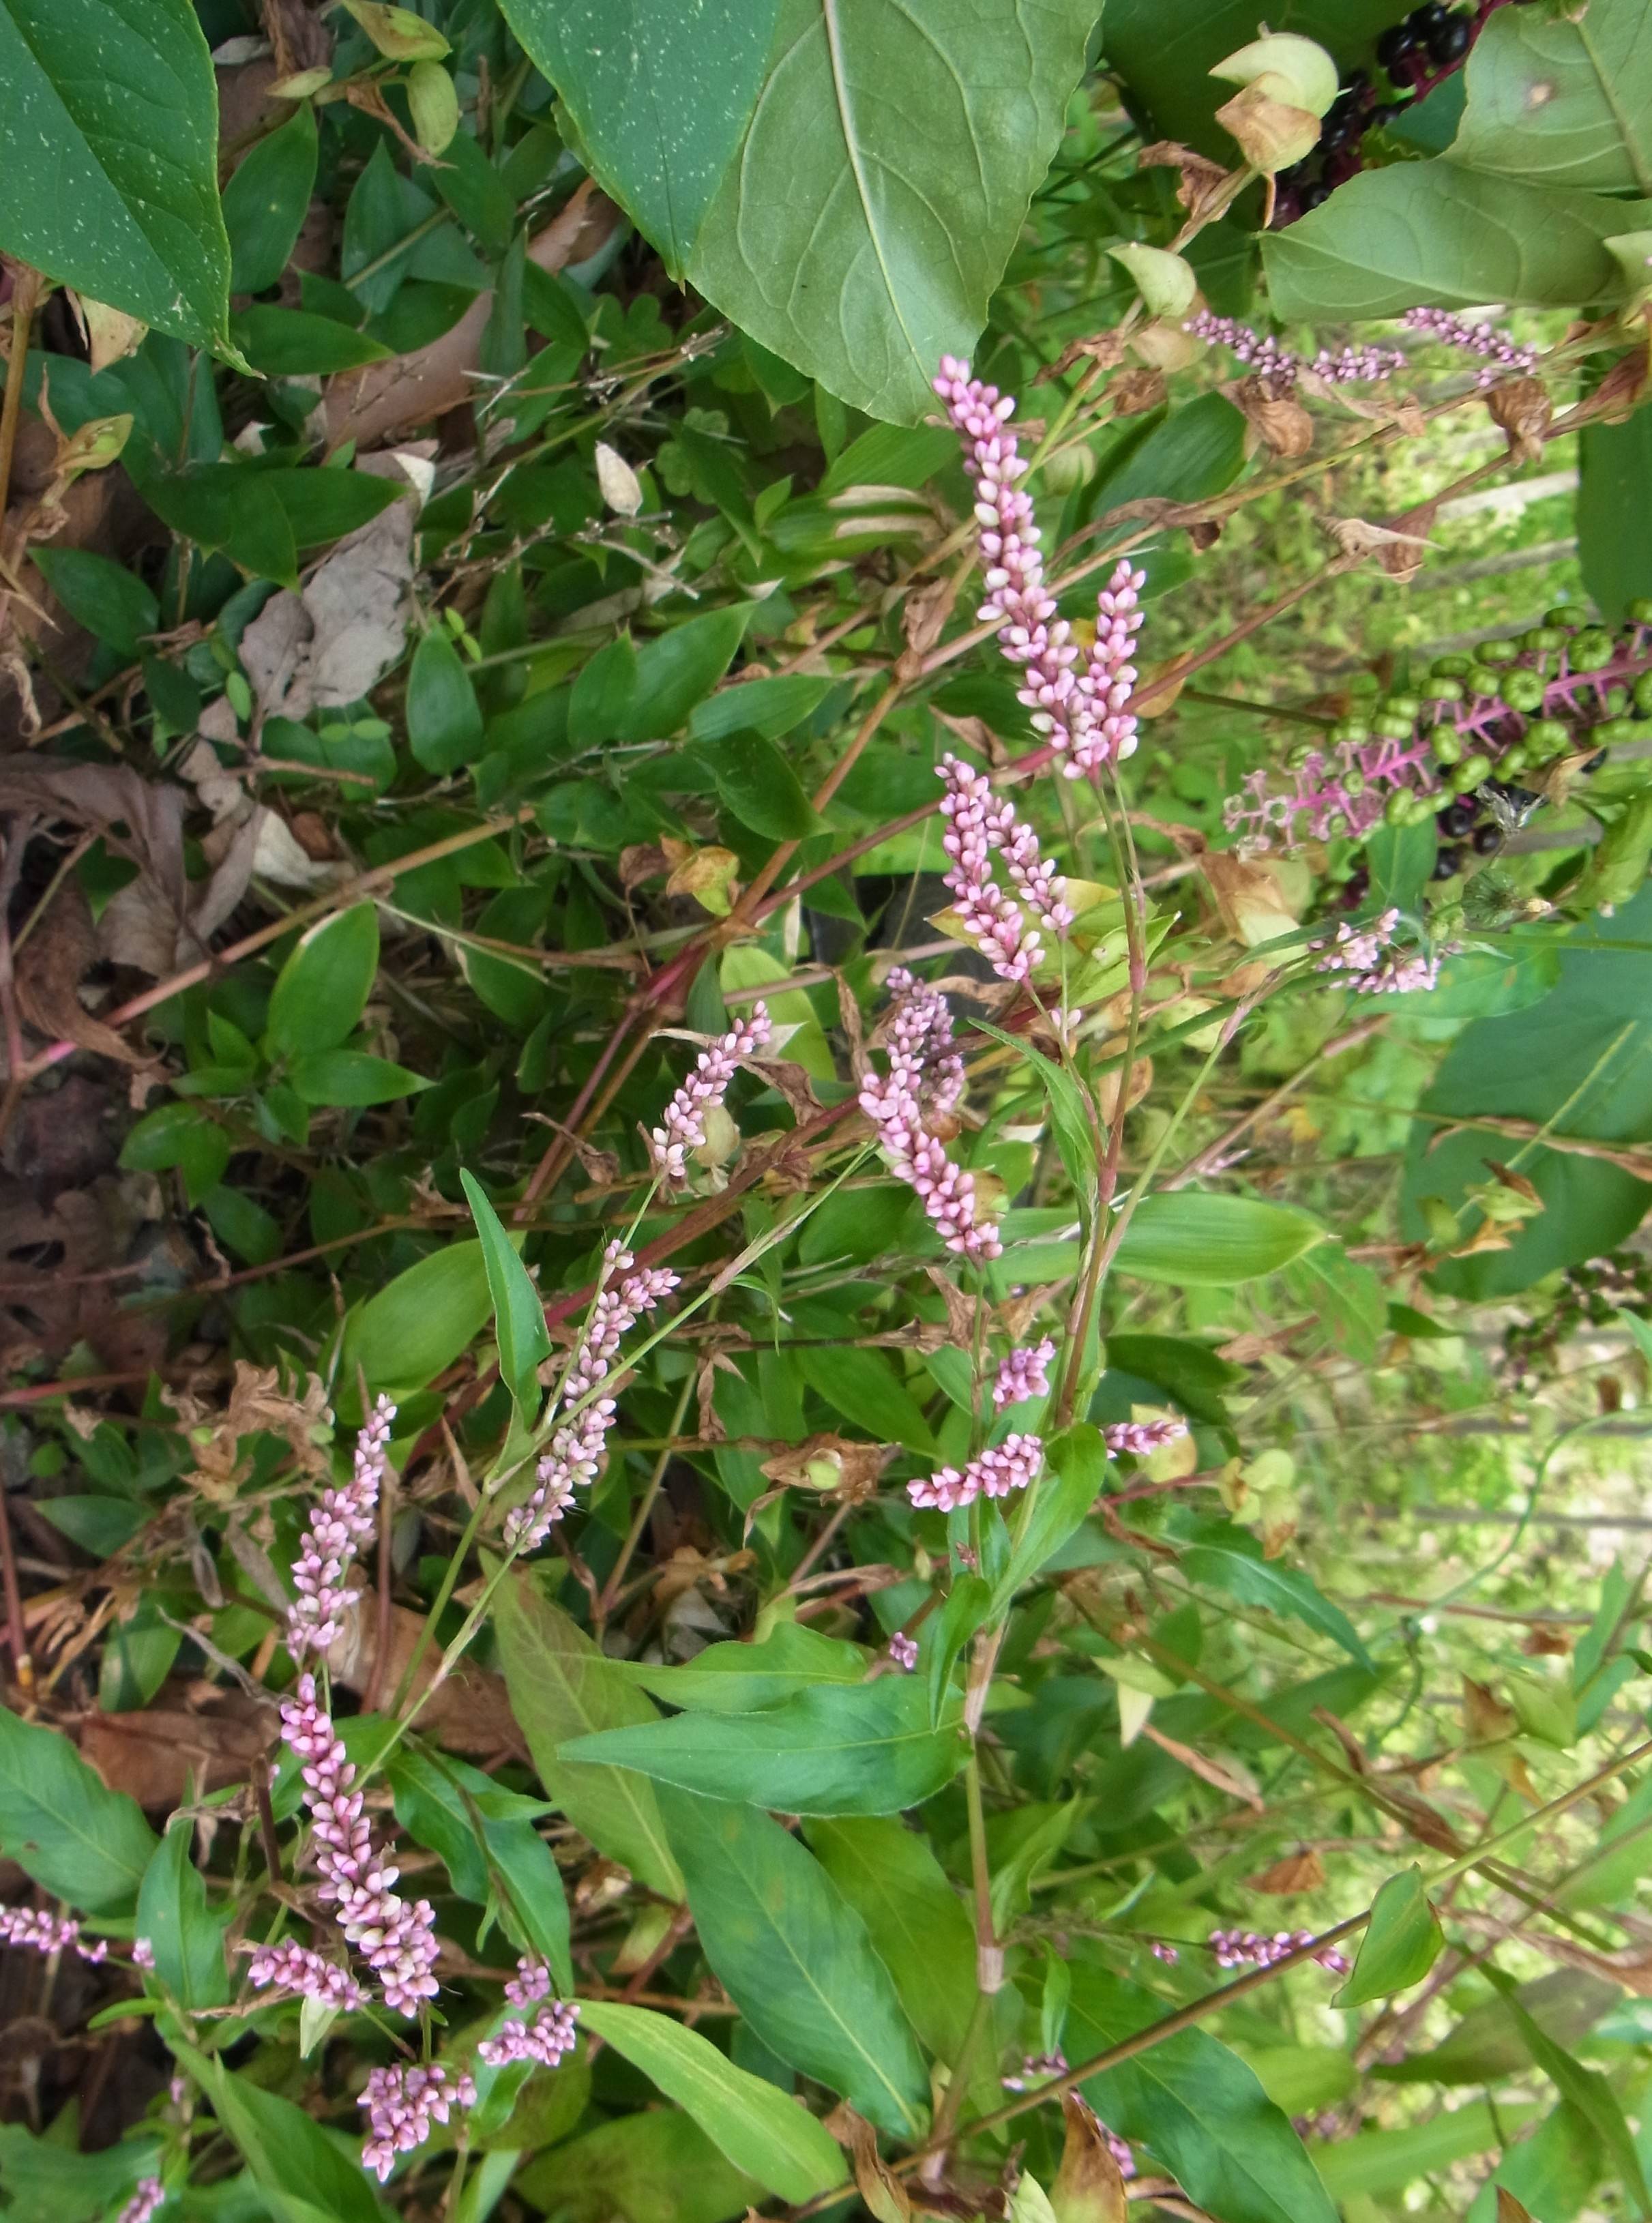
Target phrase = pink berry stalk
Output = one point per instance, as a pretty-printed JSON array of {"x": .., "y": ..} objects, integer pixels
[
  {"x": 1023, "y": 1374},
  {"x": 1067, "y": 705},
  {"x": 543, "y": 2041},
  {"x": 48, "y": 1933},
  {"x": 577, "y": 1448},
  {"x": 1009, "y": 1465},
  {"x": 396, "y": 1937},
  {"x": 294, "y": 1968},
  {"x": 149, "y": 2195},
  {"x": 1499, "y": 352},
  {"x": 897, "y": 1106},
  {"x": 340, "y": 1525},
  {"x": 682, "y": 1128},
  {"x": 1139, "y": 1437},
  {"x": 401, "y": 2105}
]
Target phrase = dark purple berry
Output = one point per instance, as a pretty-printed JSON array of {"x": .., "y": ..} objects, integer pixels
[
  {"x": 1485, "y": 839},
  {"x": 1596, "y": 762},
  {"x": 1397, "y": 45},
  {"x": 1451, "y": 42},
  {"x": 1448, "y": 861},
  {"x": 1456, "y": 820},
  {"x": 1316, "y": 196},
  {"x": 1431, "y": 17}
]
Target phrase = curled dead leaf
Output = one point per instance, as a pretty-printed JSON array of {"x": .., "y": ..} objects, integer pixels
[
  {"x": 1297, "y": 1872},
  {"x": 1137, "y": 390},
  {"x": 831, "y": 1464},
  {"x": 1282, "y": 424},
  {"x": 1521, "y": 410},
  {"x": 259, "y": 1405},
  {"x": 1090, "y": 2186},
  {"x": 1200, "y": 182}
]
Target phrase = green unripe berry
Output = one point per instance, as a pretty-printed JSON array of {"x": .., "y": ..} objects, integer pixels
[
  {"x": 1640, "y": 610},
  {"x": 1566, "y": 614},
  {"x": 1481, "y": 680},
  {"x": 1644, "y": 694},
  {"x": 1391, "y": 728},
  {"x": 1404, "y": 706},
  {"x": 1591, "y": 649},
  {"x": 1397, "y": 808},
  {"x": 1353, "y": 782},
  {"x": 1447, "y": 744},
  {"x": 1449, "y": 667},
  {"x": 1542, "y": 640},
  {"x": 1515, "y": 760},
  {"x": 1337, "y": 824},
  {"x": 1498, "y": 651},
  {"x": 1523, "y": 689},
  {"x": 1447, "y": 690},
  {"x": 1351, "y": 730},
  {"x": 1547, "y": 737},
  {"x": 1616, "y": 702},
  {"x": 1471, "y": 773},
  {"x": 1612, "y": 732}
]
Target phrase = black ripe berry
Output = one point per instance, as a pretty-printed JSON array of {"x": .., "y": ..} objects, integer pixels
[
  {"x": 1485, "y": 839},
  {"x": 1456, "y": 820},
  {"x": 1449, "y": 860}
]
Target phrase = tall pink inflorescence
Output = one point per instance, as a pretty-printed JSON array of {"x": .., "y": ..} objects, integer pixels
[
  {"x": 303, "y": 1974},
  {"x": 922, "y": 1083},
  {"x": 1009, "y": 1465},
  {"x": 977, "y": 824},
  {"x": 1280, "y": 370},
  {"x": 1083, "y": 713},
  {"x": 543, "y": 2040},
  {"x": 681, "y": 1127},
  {"x": 1142, "y": 1438},
  {"x": 48, "y": 1933},
  {"x": 1377, "y": 967},
  {"x": 1023, "y": 1374},
  {"x": 340, "y": 1524},
  {"x": 395, "y": 1936},
  {"x": 401, "y": 2104},
  {"x": 149, "y": 2196},
  {"x": 1498, "y": 351},
  {"x": 577, "y": 1448}
]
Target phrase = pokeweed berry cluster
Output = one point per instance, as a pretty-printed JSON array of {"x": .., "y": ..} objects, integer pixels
[{"x": 1492, "y": 729}]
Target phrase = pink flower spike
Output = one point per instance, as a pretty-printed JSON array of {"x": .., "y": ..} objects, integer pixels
[
  {"x": 1500, "y": 352},
  {"x": 50, "y": 1933},
  {"x": 1009, "y": 1465},
  {"x": 1108, "y": 730},
  {"x": 532, "y": 1981},
  {"x": 306, "y": 1975},
  {"x": 903, "y": 1650},
  {"x": 149, "y": 2195},
  {"x": 552, "y": 2033},
  {"x": 340, "y": 1524},
  {"x": 1140, "y": 1438},
  {"x": 924, "y": 1080},
  {"x": 683, "y": 1127},
  {"x": 402, "y": 2103},
  {"x": 1023, "y": 1374},
  {"x": 1367, "y": 952}
]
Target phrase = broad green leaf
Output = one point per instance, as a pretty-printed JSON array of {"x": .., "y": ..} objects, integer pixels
[
  {"x": 231, "y": 508},
  {"x": 1441, "y": 235},
  {"x": 740, "y": 1679},
  {"x": 266, "y": 201},
  {"x": 1075, "y": 1471},
  {"x": 297, "y": 343},
  {"x": 1489, "y": 2044},
  {"x": 406, "y": 1333},
  {"x": 173, "y": 1915},
  {"x": 105, "y": 597},
  {"x": 920, "y": 1927},
  {"x": 1197, "y": 2108},
  {"x": 861, "y": 248},
  {"x": 1562, "y": 103},
  {"x": 864, "y": 1387},
  {"x": 450, "y": 1807},
  {"x": 1278, "y": 1590},
  {"x": 757, "y": 2127},
  {"x": 109, "y": 137},
  {"x": 353, "y": 1078},
  {"x": 837, "y": 1749},
  {"x": 1402, "y": 1943},
  {"x": 183, "y": 1136},
  {"x": 305, "y": 2175},
  {"x": 63, "y": 1826},
  {"x": 1401, "y": 862},
  {"x": 1302, "y": 2079},
  {"x": 795, "y": 1959},
  {"x": 1585, "y": 2090},
  {"x": 1582, "y": 1058},
  {"x": 1346, "y": 1298},
  {"x": 518, "y": 1311},
  {"x": 1379, "y": 2163},
  {"x": 1200, "y": 1238},
  {"x": 654, "y": 2168},
  {"x": 678, "y": 669},
  {"x": 761, "y": 789},
  {"x": 47, "y": 2181},
  {"x": 743, "y": 965},
  {"x": 322, "y": 989},
  {"x": 769, "y": 707},
  {"x": 444, "y": 717},
  {"x": 658, "y": 94},
  {"x": 561, "y": 1687},
  {"x": 1615, "y": 485},
  {"x": 321, "y": 506}
]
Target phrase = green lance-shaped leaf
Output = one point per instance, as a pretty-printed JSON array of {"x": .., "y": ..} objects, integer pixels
[
  {"x": 760, "y": 2128},
  {"x": 109, "y": 135},
  {"x": 795, "y": 1959},
  {"x": 63, "y": 1825},
  {"x": 322, "y": 989},
  {"x": 186, "y": 1935},
  {"x": 406, "y": 1333},
  {"x": 1276, "y": 1590},
  {"x": 837, "y": 1749},
  {"x": 561, "y": 1688},
  {"x": 1401, "y": 1944},
  {"x": 1199, "y": 1239},
  {"x": 524, "y": 1343},
  {"x": 287, "y": 2153}
]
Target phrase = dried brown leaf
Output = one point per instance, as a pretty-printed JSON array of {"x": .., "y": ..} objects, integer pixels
[
  {"x": 1201, "y": 182},
  {"x": 1521, "y": 411},
  {"x": 1282, "y": 424},
  {"x": 1089, "y": 2187},
  {"x": 1136, "y": 390},
  {"x": 1297, "y": 1872}
]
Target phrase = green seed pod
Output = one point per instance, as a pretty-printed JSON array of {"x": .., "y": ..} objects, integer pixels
[
  {"x": 1447, "y": 744},
  {"x": 1471, "y": 773},
  {"x": 1523, "y": 689},
  {"x": 1592, "y": 649},
  {"x": 1481, "y": 680}
]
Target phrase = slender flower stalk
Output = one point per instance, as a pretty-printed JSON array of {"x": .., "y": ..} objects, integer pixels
[
  {"x": 297, "y": 1970},
  {"x": 682, "y": 1128},
  {"x": 1023, "y": 1374},
  {"x": 922, "y": 1083},
  {"x": 1009, "y": 1465},
  {"x": 401, "y": 2104},
  {"x": 48, "y": 1933},
  {"x": 340, "y": 1524},
  {"x": 1080, "y": 712},
  {"x": 149, "y": 2195},
  {"x": 1139, "y": 1437},
  {"x": 1501, "y": 353},
  {"x": 580, "y": 1443},
  {"x": 395, "y": 1936}
]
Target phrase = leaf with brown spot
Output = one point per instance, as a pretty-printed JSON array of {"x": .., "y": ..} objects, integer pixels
[{"x": 1139, "y": 389}]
